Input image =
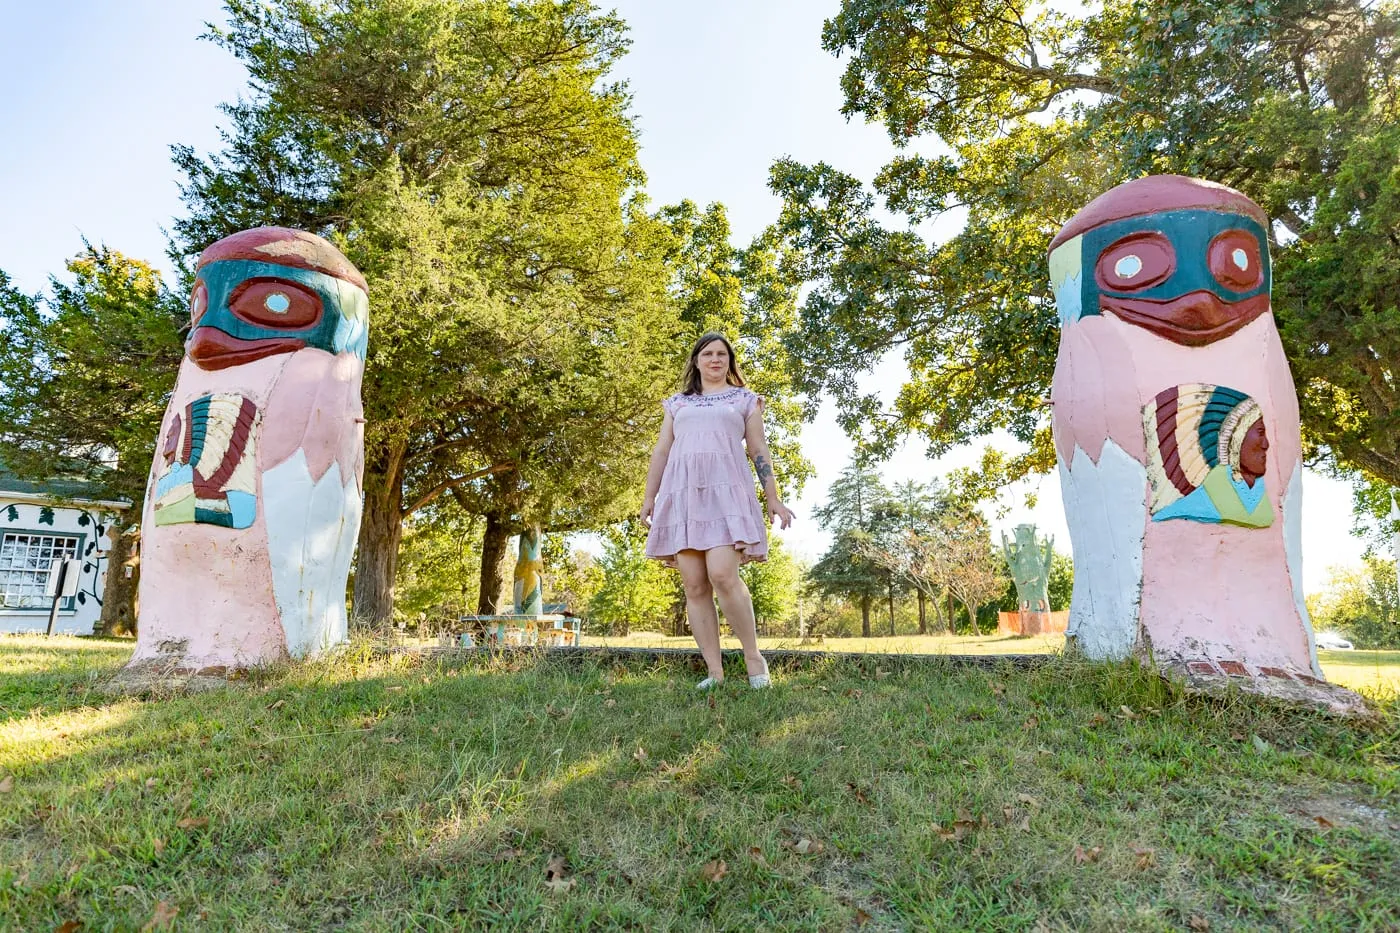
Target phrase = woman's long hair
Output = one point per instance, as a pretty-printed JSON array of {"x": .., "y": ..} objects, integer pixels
[{"x": 690, "y": 379}]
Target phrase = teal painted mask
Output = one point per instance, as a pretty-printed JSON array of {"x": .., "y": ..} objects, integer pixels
[
  {"x": 1191, "y": 276},
  {"x": 243, "y": 310}
]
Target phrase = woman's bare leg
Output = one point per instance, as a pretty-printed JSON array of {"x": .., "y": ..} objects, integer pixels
[
  {"x": 700, "y": 609},
  {"x": 723, "y": 566}
]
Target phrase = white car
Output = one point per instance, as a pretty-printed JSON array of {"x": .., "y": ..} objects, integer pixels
[{"x": 1331, "y": 641}]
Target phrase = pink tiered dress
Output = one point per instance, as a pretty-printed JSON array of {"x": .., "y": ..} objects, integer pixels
[{"x": 707, "y": 496}]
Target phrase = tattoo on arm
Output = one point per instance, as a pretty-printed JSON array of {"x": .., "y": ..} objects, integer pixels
[{"x": 764, "y": 469}]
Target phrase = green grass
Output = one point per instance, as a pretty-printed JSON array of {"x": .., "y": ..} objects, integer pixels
[{"x": 372, "y": 794}]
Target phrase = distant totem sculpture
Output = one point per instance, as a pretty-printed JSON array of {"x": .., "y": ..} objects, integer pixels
[
  {"x": 529, "y": 582},
  {"x": 1176, "y": 428},
  {"x": 254, "y": 501},
  {"x": 1029, "y": 561}
]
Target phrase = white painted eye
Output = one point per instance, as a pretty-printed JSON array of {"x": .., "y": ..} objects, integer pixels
[
  {"x": 1241, "y": 259},
  {"x": 1127, "y": 267},
  {"x": 277, "y": 303}
]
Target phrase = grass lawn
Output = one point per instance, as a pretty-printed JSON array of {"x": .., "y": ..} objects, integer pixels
[{"x": 397, "y": 793}]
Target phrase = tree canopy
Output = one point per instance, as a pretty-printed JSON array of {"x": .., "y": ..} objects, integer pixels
[{"x": 1011, "y": 116}]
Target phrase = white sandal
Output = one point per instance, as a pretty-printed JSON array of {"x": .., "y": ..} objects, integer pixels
[
  {"x": 759, "y": 681},
  {"x": 709, "y": 683}
]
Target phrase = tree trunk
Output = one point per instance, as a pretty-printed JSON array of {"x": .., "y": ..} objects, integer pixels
[
  {"x": 381, "y": 530},
  {"x": 952, "y": 620},
  {"x": 923, "y": 613},
  {"x": 972, "y": 616},
  {"x": 493, "y": 552},
  {"x": 123, "y": 574},
  {"x": 865, "y": 616},
  {"x": 890, "y": 594}
]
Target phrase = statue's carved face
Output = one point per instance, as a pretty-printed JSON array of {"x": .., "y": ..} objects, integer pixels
[
  {"x": 1254, "y": 453},
  {"x": 1191, "y": 276}
]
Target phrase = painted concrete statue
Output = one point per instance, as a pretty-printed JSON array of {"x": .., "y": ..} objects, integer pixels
[
  {"x": 529, "y": 579},
  {"x": 253, "y": 505},
  {"x": 1028, "y": 559},
  {"x": 1176, "y": 430}
]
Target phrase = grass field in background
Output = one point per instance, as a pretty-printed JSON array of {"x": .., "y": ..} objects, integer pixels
[{"x": 531, "y": 792}]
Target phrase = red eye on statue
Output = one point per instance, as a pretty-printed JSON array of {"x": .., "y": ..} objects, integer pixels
[
  {"x": 199, "y": 302},
  {"x": 1235, "y": 261},
  {"x": 1135, "y": 262},
  {"x": 278, "y": 303}
]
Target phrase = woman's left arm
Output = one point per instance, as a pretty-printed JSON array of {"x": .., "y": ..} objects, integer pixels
[{"x": 757, "y": 444}]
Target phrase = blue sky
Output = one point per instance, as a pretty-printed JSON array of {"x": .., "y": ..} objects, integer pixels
[{"x": 99, "y": 91}]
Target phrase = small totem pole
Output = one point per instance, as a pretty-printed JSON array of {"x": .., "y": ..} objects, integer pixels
[
  {"x": 253, "y": 506},
  {"x": 1029, "y": 561},
  {"x": 529, "y": 579}
]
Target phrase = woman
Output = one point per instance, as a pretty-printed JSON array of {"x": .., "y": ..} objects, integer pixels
[{"x": 700, "y": 503}]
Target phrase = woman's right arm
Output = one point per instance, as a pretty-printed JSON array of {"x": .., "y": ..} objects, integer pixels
[{"x": 658, "y": 466}]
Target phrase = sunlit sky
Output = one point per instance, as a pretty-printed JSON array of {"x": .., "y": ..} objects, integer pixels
[{"x": 98, "y": 91}]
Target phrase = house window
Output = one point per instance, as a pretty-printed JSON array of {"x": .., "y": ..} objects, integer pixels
[{"x": 25, "y": 558}]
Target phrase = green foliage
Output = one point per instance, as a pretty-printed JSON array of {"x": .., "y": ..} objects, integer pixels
[
  {"x": 637, "y": 592},
  {"x": 571, "y": 576},
  {"x": 774, "y": 586},
  {"x": 1023, "y": 115},
  {"x": 1361, "y": 603},
  {"x": 439, "y": 567},
  {"x": 85, "y": 372},
  {"x": 857, "y": 512}
]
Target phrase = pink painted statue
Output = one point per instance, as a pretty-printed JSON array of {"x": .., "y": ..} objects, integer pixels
[
  {"x": 253, "y": 506},
  {"x": 1176, "y": 430}
]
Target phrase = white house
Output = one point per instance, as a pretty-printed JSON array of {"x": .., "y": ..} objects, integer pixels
[{"x": 41, "y": 523}]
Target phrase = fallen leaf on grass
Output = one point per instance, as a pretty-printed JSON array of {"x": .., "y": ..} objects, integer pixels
[
  {"x": 1198, "y": 923},
  {"x": 791, "y": 780},
  {"x": 853, "y": 693},
  {"x": 1083, "y": 856},
  {"x": 880, "y": 675},
  {"x": 714, "y": 870},
  {"x": 278, "y": 705},
  {"x": 756, "y": 854},
  {"x": 163, "y": 917},
  {"x": 68, "y": 926},
  {"x": 1098, "y": 719},
  {"x": 640, "y": 755},
  {"x": 392, "y": 740},
  {"x": 507, "y": 855},
  {"x": 193, "y": 822},
  {"x": 609, "y": 703},
  {"x": 862, "y": 918},
  {"x": 857, "y": 793},
  {"x": 1261, "y": 746},
  {"x": 555, "y": 872},
  {"x": 805, "y": 846},
  {"x": 1126, "y": 712},
  {"x": 1323, "y": 822},
  {"x": 8, "y": 784},
  {"x": 126, "y": 889},
  {"x": 1030, "y": 724},
  {"x": 151, "y": 783},
  {"x": 998, "y": 689},
  {"x": 1146, "y": 858},
  {"x": 158, "y": 844},
  {"x": 1028, "y": 800}
]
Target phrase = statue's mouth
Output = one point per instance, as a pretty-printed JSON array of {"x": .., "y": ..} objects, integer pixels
[
  {"x": 211, "y": 348},
  {"x": 1194, "y": 319}
]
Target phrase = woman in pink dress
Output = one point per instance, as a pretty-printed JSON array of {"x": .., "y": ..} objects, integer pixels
[{"x": 700, "y": 501}]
